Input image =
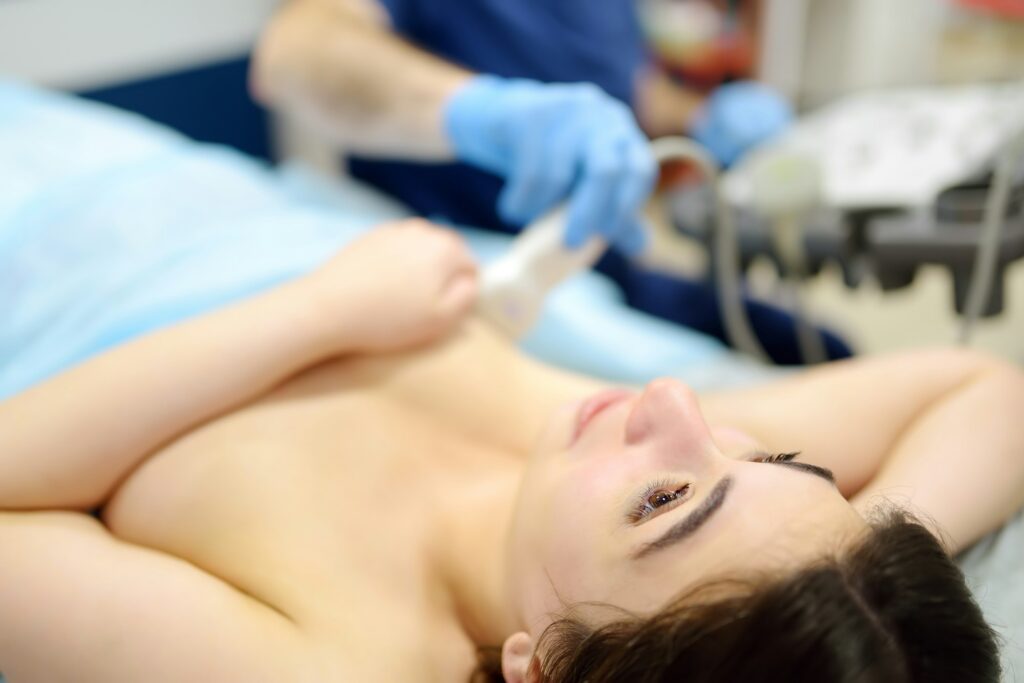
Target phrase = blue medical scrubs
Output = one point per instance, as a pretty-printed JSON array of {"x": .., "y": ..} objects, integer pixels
[{"x": 556, "y": 41}]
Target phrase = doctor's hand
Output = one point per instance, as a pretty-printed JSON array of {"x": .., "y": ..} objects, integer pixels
[
  {"x": 556, "y": 142},
  {"x": 739, "y": 116},
  {"x": 400, "y": 285}
]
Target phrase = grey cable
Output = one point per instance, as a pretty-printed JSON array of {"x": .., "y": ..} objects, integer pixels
[
  {"x": 789, "y": 242},
  {"x": 726, "y": 245},
  {"x": 996, "y": 203}
]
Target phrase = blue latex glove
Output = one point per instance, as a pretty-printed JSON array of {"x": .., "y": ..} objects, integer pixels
[
  {"x": 551, "y": 142},
  {"x": 739, "y": 116}
]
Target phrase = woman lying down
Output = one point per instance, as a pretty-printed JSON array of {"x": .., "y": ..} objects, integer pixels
[{"x": 348, "y": 478}]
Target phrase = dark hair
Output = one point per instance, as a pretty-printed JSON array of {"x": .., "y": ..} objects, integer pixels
[{"x": 893, "y": 608}]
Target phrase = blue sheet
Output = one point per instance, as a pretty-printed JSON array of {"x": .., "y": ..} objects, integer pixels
[{"x": 111, "y": 226}]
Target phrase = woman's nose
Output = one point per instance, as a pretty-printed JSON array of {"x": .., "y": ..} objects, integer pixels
[{"x": 667, "y": 411}]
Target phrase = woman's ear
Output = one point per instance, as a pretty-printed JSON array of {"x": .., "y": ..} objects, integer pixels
[{"x": 516, "y": 655}]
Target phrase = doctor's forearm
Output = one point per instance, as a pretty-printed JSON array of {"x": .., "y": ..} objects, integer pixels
[{"x": 343, "y": 72}]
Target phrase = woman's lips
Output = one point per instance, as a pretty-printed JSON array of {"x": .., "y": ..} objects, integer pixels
[{"x": 593, "y": 406}]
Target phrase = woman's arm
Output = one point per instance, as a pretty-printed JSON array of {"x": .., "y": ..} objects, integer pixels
[
  {"x": 338, "y": 66},
  {"x": 68, "y": 442},
  {"x": 940, "y": 430},
  {"x": 77, "y": 604}
]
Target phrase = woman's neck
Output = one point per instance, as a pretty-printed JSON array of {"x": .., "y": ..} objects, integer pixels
[
  {"x": 470, "y": 554},
  {"x": 497, "y": 397}
]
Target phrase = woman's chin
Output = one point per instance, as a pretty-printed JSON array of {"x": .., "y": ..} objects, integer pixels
[{"x": 558, "y": 432}]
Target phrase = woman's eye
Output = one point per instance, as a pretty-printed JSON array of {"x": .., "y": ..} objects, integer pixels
[
  {"x": 774, "y": 457},
  {"x": 659, "y": 498},
  {"x": 664, "y": 498}
]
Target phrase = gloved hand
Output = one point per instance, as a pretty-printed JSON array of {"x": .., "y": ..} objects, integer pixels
[
  {"x": 739, "y": 116},
  {"x": 551, "y": 142}
]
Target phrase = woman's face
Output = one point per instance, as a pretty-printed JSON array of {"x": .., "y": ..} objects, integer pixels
[{"x": 631, "y": 498}]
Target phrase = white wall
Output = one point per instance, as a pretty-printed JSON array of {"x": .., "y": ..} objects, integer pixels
[
  {"x": 783, "y": 42},
  {"x": 816, "y": 50},
  {"x": 858, "y": 44},
  {"x": 80, "y": 44}
]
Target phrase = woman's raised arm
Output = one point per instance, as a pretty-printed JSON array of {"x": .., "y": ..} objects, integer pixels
[
  {"x": 68, "y": 442},
  {"x": 938, "y": 430}
]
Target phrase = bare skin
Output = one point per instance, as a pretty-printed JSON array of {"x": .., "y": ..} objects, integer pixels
[
  {"x": 338, "y": 67},
  {"x": 344, "y": 479}
]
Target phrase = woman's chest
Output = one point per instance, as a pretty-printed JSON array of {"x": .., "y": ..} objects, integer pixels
[
  {"x": 326, "y": 495},
  {"x": 332, "y": 480}
]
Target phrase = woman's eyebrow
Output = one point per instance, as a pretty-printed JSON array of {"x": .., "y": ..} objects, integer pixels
[
  {"x": 691, "y": 523},
  {"x": 817, "y": 471}
]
